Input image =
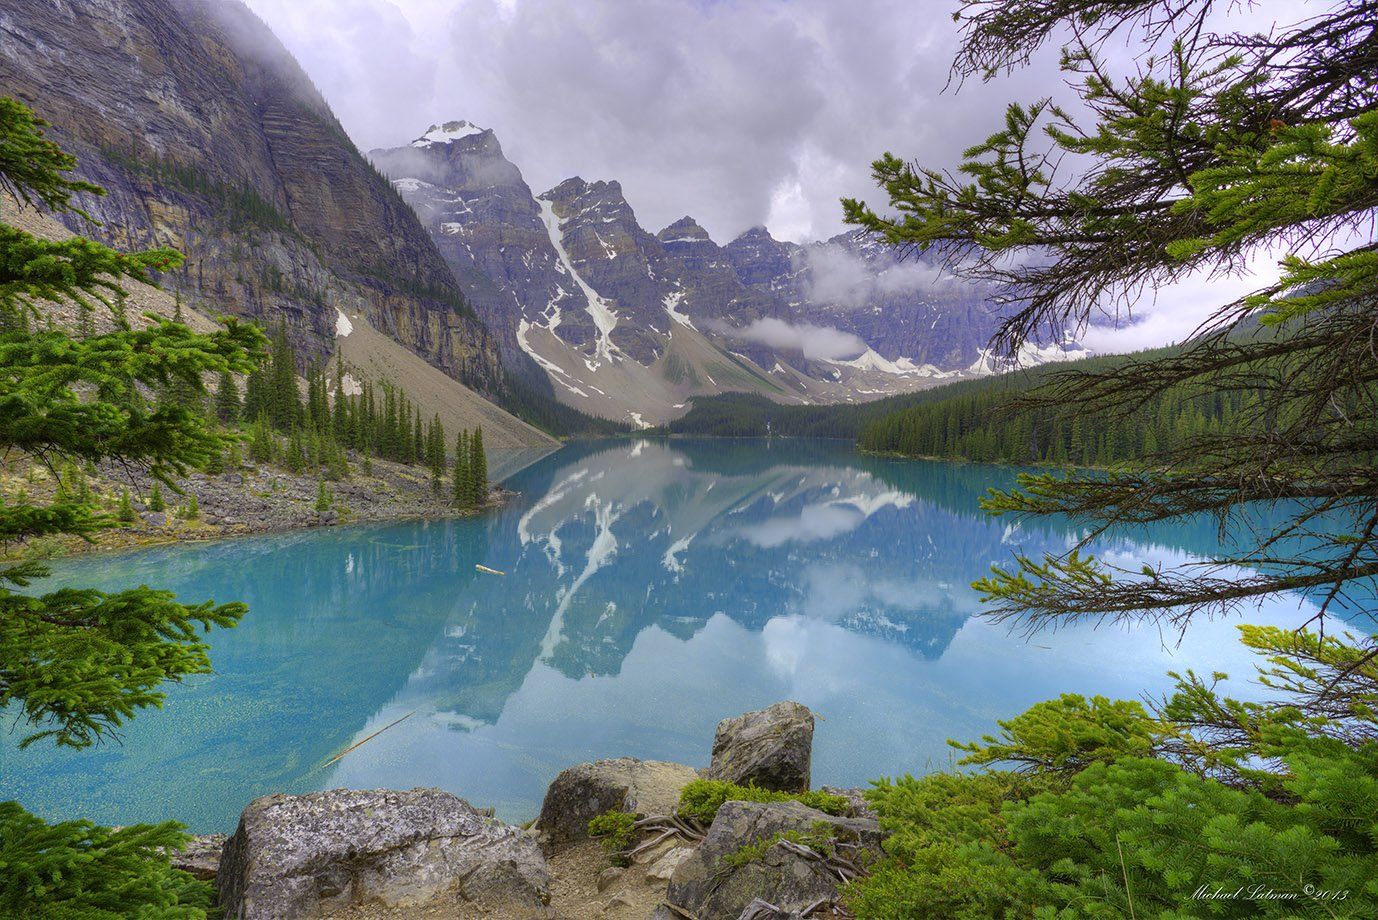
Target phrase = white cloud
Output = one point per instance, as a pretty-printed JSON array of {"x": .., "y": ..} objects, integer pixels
[
  {"x": 840, "y": 276},
  {"x": 818, "y": 343},
  {"x": 812, "y": 524},
  {"x": 738, "y": 112}
]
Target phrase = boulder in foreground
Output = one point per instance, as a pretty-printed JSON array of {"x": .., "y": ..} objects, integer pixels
[
  {"x": 771, "y": 748},
  {"x": 301, "y": 856},
  {"x": 742, "y": 859},
  {"x": 583, "y": 792}
]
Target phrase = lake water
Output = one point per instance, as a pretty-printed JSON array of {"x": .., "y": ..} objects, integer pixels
[{"x": 651, "y": 589}]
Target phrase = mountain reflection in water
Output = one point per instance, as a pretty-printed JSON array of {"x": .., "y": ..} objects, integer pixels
[{"x": 651, "y": 589}]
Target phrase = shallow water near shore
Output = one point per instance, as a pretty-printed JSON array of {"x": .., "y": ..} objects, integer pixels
[{"x": 651, "y": 588}]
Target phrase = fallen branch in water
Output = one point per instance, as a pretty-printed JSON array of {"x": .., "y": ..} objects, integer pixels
[{"x": 360, "y": 744}]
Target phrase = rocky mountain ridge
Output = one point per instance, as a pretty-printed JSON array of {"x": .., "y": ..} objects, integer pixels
[
  {"x": 209, "y": 137},
  {"x": 630, "y": 325}
]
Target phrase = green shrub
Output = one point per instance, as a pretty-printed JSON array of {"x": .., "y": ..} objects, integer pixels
[
  {"x": 821, "y": 837},
  {"x": 702, "y": 798},
  {"x": 1271, "y": 804},
  {"x": 615, "y": 829}
]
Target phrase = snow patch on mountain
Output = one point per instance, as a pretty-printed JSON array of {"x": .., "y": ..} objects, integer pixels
[
  {"x": 444, "y": 134},
  {"x": 672, "y": 302},
  {"x": 556, "y": 372},
  {"x": 989, "y": 363},
  {"x": 871, "y": 360},
  {"x": 604, "y": 318}
]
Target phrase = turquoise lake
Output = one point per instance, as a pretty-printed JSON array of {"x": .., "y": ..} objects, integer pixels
[{"x": 651, "y": 589}]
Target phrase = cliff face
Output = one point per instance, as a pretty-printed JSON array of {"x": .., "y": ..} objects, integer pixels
[{"x": 209, "y": 137}]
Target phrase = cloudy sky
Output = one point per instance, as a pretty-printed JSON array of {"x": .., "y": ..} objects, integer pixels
[{"x": 737, "y": 112}]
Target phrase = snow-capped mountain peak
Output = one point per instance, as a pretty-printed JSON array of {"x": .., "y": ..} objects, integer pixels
[
  {"x": 632, "y": 325},
  {"x": 449, "y": 131}
]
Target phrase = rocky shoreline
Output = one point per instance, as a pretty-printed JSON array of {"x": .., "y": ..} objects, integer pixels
[
  {"x": 254, "y": 498},
  {"x": 424, "y": 853}
]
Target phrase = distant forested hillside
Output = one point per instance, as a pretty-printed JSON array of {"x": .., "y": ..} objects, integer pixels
[
  {"x": 746, "y": 415},
  {"x": 975, "y": 421},
  {"x": 971, "y": 420}
]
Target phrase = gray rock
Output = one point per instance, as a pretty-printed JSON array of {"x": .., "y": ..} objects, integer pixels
[
  {"x": 200, "y": 857},
  {"x": 763, "y": 910},
  {"x": 663, "y": 869},
  {"x": 617, "y": 901},
  {"x": 710, "y": 889},
  {"x": 155, "y": 518},
  {"x": 581, "y": 793},
  {"x": 311, "y": 855},
  {"x": 771, "y": 748},
  {"x": 857, "y": 806},
  {"x": 608, "y": 876}
]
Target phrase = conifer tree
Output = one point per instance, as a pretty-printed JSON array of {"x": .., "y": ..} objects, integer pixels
[
  {"x": 256, "y": 401},
  {"x": 418, "y": 454},
  {"x": 1216, "y": 146},
  {"x": 74, "y": 665},
  {"x": 283, "y": 400},
  {"x": 227, "y": 403},
  {"x": 316, "y": 402},
  {"x": 155, "y": 498},
  {"x": 262, "y": 445},
  {"x": 339, "y": 410},
  {"x": 124, "y": 512},
  {"x": 462, "y": 480},
  {"x": 478, "y": 469},
  {"x": 324, "y": 499},
  {"x": 295, "y": 457}
]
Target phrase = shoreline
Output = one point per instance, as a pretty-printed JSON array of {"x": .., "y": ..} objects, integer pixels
[{"x": 252, "y": 500}]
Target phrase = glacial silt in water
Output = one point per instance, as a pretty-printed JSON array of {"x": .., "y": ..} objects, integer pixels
[{"x": 651, "y": 589}]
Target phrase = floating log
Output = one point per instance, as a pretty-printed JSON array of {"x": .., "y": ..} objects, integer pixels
[{"x": 360, "y": 744}]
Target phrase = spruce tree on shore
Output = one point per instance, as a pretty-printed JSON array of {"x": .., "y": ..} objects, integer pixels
[
  {"x": 462, "y": 478},
  {"x": 478, "y": 469}
]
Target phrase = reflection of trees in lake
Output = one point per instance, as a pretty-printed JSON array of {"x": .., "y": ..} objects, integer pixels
[{"x": 337, "y": 623}]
